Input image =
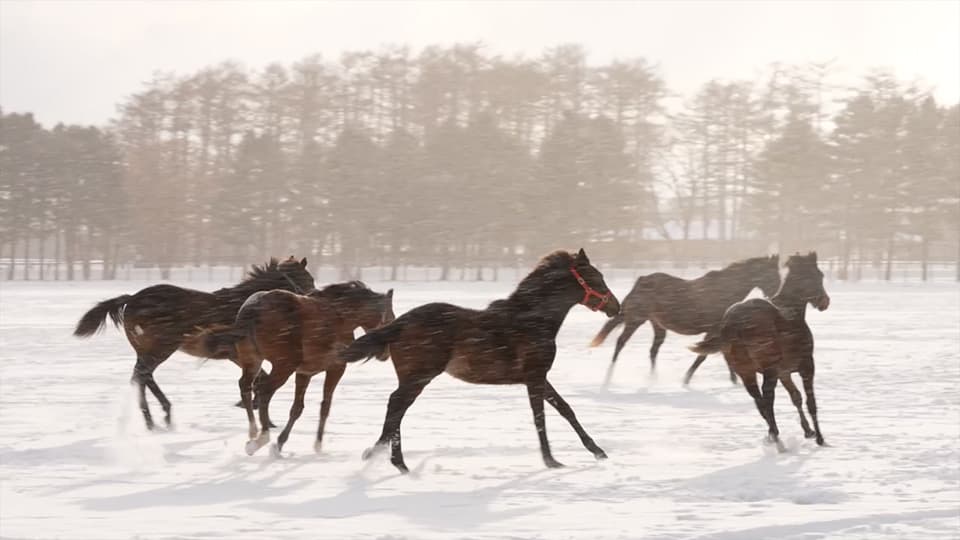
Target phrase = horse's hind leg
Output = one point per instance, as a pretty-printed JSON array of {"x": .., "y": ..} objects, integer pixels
[
  {"x": 264, "y": 391},
  {"x": 302, "y": 382},
  {"x": 558, "y": 403},
  {"x": 659, "y": 334},
  {"x": 246, "y": 399},
  {"x": 143, "y": 378},
  {"x": 629, "y": 327},
  {"x": 140, "y": 373},
  {"x": 750, "y": 385},
  {"x": 770, "y": 378},
  {"x": 330, "y": 381},
  {"x": 693, "y": 369},
  {"x": 797, "y": 400},
  {"x": 806, "y": 373},
  {"x": 400, "y": 400}
]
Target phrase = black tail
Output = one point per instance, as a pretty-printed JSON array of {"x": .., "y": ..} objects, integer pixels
[
  {"x": 608, "y": 327},
  {"x": 372, "y": 343},
  {"x": 712, "y": 343},
  {"x": 94, "y": 320}
]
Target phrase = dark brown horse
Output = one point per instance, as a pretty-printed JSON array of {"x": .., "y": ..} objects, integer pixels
[
  {"x": 161, "y": 319},
  {"x": 513, "y": 341},
  {"x": 687, "y": 306},
  {"x": 772, "y": 338},
  {"x": 302, "y": 334}
]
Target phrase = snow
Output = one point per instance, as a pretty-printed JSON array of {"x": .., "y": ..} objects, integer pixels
[{"x": 76, "y": 462}]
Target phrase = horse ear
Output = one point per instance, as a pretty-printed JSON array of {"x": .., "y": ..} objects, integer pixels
[
  {"x": 582, "y": 256},
  {"x": 813, "y": 255},
  {"x": 390, "y": 293},
  {"x": 303, "y": 262},
  {"x": 775, "y": 259}
]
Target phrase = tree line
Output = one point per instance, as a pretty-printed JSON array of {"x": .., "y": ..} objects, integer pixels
[{"x": 455, "y": 158}]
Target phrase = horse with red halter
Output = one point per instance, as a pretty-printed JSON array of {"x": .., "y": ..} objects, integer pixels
[
  {"x": 512, "y": 341},
  {"x": 162, "y": 319},
  {"x": 302, "y": 335},
  {"x": 771, "y": 337},
  {"x": 687, "y": 306}
]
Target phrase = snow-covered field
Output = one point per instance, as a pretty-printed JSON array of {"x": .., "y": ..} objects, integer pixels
[{"x": 76, "y": 462}]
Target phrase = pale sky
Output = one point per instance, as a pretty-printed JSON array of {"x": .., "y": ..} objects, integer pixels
[{"x": 73, "y": 61}]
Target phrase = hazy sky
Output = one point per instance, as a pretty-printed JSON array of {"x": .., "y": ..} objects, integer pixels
[{"x": 74, "y": 61}]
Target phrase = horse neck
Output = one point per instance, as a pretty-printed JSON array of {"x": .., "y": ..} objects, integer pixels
[
  {"x": 732, "y": 284},
  {"x": 790, "y": 301},
  {"x": 545, "y": 304}
]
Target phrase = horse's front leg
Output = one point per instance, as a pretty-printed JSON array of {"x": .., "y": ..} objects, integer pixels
[
  {"x": 553, "y": 398},
  {"x": 330, "y": 382},
  {"x": 536, "y": 390}
]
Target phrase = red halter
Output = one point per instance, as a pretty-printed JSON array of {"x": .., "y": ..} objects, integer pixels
[{"x": 589, "y": 291}]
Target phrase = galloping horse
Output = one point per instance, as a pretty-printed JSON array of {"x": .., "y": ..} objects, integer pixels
[
  {"x": 302, "y": 334},
  {"x": 513, "y": 341},
  {"x": 685, "y": 306},
  {"x": 163, "y": 318},
  {"x": 772, "y": 338}
]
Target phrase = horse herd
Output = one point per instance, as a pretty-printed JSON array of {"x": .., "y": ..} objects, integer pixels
[{"x": 277, "y": 314}]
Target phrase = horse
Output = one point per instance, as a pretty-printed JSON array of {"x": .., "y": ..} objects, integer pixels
[
  {"x": 771, "y": 337},
  {"x": 512, "y": 341},
  {"x": 301, "y": 334},
  {"x": 687, "y": 306},
  {"x": 162, "y": 319}
]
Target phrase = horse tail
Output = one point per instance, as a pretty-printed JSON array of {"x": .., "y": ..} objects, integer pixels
[
  {"x": 95, "y": 319},
  {"x": 715, "y": 339},
  {"x": 712, "y": 343},
  {"x": 373, "y": 343},
  {"x": 608, "y": 327}
]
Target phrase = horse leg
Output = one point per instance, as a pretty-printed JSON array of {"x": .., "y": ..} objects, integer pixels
[
  {"x": 797, "y": 400},
  {"x": 558, "y": 403},
  {"x": 659, "y": 334},
  {"x": 246, "y": 399},
  {"x": 733, "y": 376},
  {"x": 265, "y": 390},
  {"x": 536, "y": 390},
  {"x": 693, "y": 369},
  {"x": 400, "y": 400},
  {"x": 770, "y": 378},
  {"x": 750, "y": 385},
  {"x": 302, "y": 382},
  {"x": 260, "y": 375},
  {"x": 806, "y": 373},
  {"x": 629, "y": 327},
  {"x": 330, "y": 382},
  {"x": 141, "y": 371}
]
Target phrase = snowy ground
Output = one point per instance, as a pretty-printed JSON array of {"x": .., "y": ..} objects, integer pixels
[{"x": 75, "y": 461}]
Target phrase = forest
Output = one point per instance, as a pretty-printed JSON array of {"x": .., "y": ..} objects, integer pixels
[{"x": 455, "y": 158}]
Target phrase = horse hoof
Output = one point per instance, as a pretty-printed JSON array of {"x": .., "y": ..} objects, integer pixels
[
  {"x": 821, "y": 442},
  {"x": 552, "y": 463},
  {"x": 318, "y": 447},
  {"x": 275, "y": 451},
  {"x": 402, "y": 467},
  {"x": 251, "y": 447},
  {"x": 600, "y": 454},
  {"x": 368, "y": 453}
]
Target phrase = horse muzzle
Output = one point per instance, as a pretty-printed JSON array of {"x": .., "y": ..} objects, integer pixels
[{"x": 822, "y": 303}]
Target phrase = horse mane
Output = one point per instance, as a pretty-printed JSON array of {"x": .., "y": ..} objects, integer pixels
[
  {"x": 340, "y": 290},
  {"x": 548, "y": 263},
  {"x": 260, "y": 271},
  {"x": 736, "y": 266}
]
